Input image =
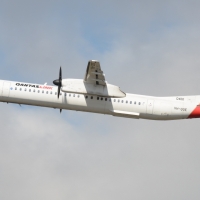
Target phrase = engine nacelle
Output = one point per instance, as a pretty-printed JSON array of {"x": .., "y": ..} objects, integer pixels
[{"x": 81, "y": 87}]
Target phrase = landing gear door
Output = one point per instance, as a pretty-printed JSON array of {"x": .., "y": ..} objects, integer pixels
[{"x": 150, "y": 105}]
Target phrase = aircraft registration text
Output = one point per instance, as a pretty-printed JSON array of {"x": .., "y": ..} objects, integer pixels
[{"x": 181, "y": 109}]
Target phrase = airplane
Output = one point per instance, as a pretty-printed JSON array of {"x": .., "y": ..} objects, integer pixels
[{"x": 94, "y": 94}]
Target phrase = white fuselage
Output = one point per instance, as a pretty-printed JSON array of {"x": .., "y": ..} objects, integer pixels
[{"x": 131, "y": 106}]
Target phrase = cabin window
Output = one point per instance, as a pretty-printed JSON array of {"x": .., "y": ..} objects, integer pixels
[
  {"x": 15, "y": 88},
  {"x": 38, "y": 91},
  {"x": 50, "y": 92},
  {"x": 139, "y": 103},
  {"x": 42, "y": 91},
  {"x": 105, "y": 99},
  {"x": 20, "y": 89},
  {"x": 55, "y": 93},
  {"x": 122, "y": 101},
  {"x": 130, "y": 102},
  {"x": 70, "y": 95},
  {"x": 97, "y": 98},
  {"x": 109, "y": 99},
  {"x": 34, "y": 90},
  {"x": 126, "y": 101},
  {"x": 61, "y": 93},
  {"x": 25, "y": 89},
  {"x": 29, "y": 90},
  {"x": 114, "y": 100},
  {"x": 65, "y": 94},
  {"x": 47, "y": 92},
  {"x": 78, "y": 96},
  {"x": 91, "y": 97},
  {"x": 135, "y": 102},
  {"x": 118, "y": 101},
  {"x": 101, "y": 99},
  {"x": 74, "y": 95},
  {"x": 86, "y": 97}
]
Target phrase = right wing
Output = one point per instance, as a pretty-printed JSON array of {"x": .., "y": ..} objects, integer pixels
[{"x": 94, "y": 74}]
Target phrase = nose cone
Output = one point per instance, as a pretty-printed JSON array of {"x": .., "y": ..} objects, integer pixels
[{"x": 57, "y": 82}]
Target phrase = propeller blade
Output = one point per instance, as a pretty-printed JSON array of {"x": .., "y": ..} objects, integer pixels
[
  {"x": 60, "y": 74},
  {"x": 58, "y": 91},
  {"x": 58, "y": 82}
]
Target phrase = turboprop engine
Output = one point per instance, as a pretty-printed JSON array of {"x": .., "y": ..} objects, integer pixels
[{"x": 83, "y": 87}]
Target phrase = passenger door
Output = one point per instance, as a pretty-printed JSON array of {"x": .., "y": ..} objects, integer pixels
[
  {"x": 6, "y": 89},
  {"x": 150, "y": 105},
  {"x": 1, "y": 87}
]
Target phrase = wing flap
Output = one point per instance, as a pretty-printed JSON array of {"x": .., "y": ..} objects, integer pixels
[{"x": 94, "y": 74}]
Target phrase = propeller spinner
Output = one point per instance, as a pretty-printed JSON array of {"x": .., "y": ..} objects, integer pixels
[{"x": 58, "y": 82}]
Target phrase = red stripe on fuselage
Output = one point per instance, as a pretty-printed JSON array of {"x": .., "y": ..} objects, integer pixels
[{"x": 195, "y": 113}]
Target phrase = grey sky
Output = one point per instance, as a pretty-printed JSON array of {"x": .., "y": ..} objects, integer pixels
[{"x": 145, "y": 47}]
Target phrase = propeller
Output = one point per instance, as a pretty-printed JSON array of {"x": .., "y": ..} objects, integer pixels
[{"x": 58, "y": 82}]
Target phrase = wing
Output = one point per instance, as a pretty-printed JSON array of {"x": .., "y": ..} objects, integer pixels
[{"x": 94, "y": 74}]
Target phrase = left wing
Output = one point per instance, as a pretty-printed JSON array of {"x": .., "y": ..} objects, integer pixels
[{"x": 94, "y": 74}]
